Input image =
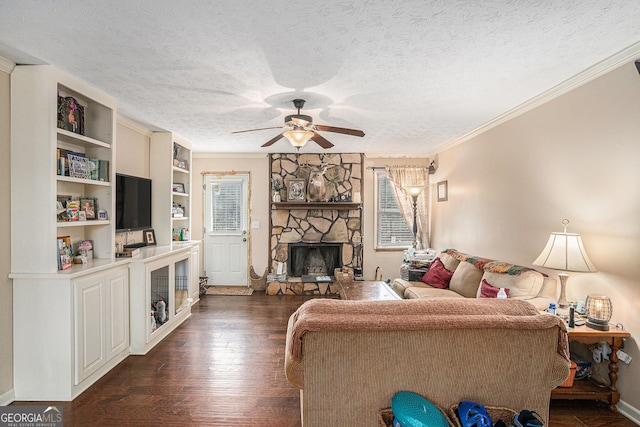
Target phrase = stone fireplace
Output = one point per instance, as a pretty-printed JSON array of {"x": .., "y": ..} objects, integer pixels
[{"x": 314, "y": 237}]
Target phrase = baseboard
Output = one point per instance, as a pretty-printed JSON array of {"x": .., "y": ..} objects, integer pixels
[
  {"x": 629, "y": 411},
  {"x": 7, "y": 398}
]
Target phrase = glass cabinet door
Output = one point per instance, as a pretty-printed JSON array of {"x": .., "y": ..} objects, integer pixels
[
  {"x": 182, "y": 285},
  {"x": 159, "y": 298}
]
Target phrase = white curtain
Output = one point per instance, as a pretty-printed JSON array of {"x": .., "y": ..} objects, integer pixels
[{"x": 401, "y": 176}]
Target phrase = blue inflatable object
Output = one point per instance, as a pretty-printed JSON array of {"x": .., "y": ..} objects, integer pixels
[
  {"x": 413, "y": 410},
  {"x": 473, "y": 414}
]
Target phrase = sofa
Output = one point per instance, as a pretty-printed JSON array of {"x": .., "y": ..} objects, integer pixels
[
  {"x": 454, "y": 274},
  {"x": 349, "y": 358}
]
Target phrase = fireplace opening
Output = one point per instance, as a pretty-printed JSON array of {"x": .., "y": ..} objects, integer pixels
[{"x": 313, "y": 259}]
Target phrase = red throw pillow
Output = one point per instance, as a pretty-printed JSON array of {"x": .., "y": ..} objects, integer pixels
[
  {"x": 437, "y": 275},
  {"x": 489, "y": 291}
]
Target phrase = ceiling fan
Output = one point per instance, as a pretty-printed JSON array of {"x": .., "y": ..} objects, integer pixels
[{"x": 302, "y": 129}]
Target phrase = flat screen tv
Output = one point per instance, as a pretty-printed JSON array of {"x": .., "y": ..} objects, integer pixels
[{"x": 133, "y": 203}]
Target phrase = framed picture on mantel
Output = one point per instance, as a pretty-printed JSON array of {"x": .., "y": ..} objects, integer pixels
[{"x": 296, "y": 191}]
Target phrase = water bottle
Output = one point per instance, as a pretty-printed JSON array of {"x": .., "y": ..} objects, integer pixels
[
  {"x": 552, "y": 308},
  {"x": 502, "y": 294}
]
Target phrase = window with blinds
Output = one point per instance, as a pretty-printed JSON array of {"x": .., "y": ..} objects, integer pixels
[
  {"x": 226, "y": 207},
  {"x": 392, "y": 231}
]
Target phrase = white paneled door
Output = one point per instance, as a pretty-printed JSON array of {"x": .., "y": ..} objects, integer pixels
[{"x": 225, "y": 229}]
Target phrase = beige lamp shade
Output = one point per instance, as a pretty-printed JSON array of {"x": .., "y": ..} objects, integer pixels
[
  {"x": 298, "y": 137},
  {"x": 564, "y": 251},
  {"x": 414, "y": 190}
]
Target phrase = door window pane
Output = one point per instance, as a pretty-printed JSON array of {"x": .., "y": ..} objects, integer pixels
[{"x": 226, "y": 207}]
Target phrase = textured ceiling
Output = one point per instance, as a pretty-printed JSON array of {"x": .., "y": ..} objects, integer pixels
[{"x": 413, "y": 74}]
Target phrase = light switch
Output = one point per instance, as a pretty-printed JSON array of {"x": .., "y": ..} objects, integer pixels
[{"x": 255, "y": 224}]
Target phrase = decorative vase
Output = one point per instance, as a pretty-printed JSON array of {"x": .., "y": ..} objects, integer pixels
[{"x": 276, "y": 197}]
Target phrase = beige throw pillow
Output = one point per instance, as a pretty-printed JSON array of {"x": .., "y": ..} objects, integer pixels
[
  {"x": 466, "y": 279},
  {"x": 449, "y": 262}
]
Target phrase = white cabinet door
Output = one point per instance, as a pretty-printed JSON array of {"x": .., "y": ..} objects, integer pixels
[
  {"x": 117, "y": 312},
  {"x": 89, "y": 298}
]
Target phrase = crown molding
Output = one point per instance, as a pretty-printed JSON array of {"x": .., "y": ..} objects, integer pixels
[
  {"x": 396, "y": 155},
  {"x": 133, "y": 125},
  {"x": 611, "y": 63},
  {"x": 207, "y": 155},
  {"x": 6, "y": 65}
]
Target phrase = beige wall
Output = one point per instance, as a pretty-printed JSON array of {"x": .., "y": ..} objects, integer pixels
[
  {"x": 575, "y": 157},
  {"x": 259, "y": 188},
  {"x": 6, "y": 289},
  {"x": 132, "y": 158},
  {"x": 132, "y": 150}
]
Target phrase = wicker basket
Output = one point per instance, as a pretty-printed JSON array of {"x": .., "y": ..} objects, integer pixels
[
  {"x": 344, "y": 275},
  {"x": 495, "y": 412},
  {"x": 258, "y": 283},
  {"x": 203, "y": 283},
  {"x": 385, "y": 417}
]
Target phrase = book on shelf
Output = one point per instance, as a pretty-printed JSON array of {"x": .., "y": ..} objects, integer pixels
[
  {"x": 94, "y": 169},
  {"x": 64, "y": 255},
  {"x": 73, "y": 209},
  {"x": 64, "y": 161},
  {"x": 88, "y": 168},
  {"x": 103, "y": 170}
]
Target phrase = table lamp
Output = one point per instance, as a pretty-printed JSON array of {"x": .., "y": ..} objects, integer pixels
[{"x": 564, "y": 251}]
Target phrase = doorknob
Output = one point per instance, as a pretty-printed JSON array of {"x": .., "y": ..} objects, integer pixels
[{"x": 244, "y": 239}]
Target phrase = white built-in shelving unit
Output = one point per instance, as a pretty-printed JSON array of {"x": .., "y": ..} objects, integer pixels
[
  {"x": 36, "y": 184},
  {"x": 170, "y": 164},
  {"x": 73, "y": 324}
]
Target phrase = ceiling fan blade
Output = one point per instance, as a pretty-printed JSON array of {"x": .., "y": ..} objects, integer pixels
[
  {"x": 272, "y": 140},
  {"x": 353, "y": 132},
  {"x": 321, "y": 140},
  {"x": 251, "y": 130}
]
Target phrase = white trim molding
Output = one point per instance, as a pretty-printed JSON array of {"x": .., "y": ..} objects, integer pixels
[
  {"x": 614, "y": 61},
  {"x": 7, "y": 398},
  {"x": 133, "y": 125},
  {"x": 629, "y": 411},
  {"x": 209, "y": 155},
  {"x": 6, "y": 65}
]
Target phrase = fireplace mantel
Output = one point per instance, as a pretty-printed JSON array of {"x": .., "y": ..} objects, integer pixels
[{"x": 316, "y": 205}]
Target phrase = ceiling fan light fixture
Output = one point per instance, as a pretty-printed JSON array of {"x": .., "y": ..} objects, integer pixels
[{"x": 298, "y": 137}]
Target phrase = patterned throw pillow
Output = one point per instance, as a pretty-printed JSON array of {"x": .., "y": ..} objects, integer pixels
[
  {"x": 437, "y": 275},
  {"x": 489, "y": 291}
]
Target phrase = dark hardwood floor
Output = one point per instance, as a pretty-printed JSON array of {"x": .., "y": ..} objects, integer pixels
[{"x": 224, "y": 367}]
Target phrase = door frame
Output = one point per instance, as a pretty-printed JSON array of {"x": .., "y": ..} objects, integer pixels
[{"x": 218, "y": 175}]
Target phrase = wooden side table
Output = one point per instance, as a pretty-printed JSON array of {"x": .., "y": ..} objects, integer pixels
[{"x": 584, "y": 389}]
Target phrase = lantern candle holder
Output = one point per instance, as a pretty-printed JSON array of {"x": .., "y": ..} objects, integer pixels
[{"x": 598, "y": 312}]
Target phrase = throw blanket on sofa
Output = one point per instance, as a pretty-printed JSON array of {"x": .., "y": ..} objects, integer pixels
[
  {"x": 339, "y": 315},
  {"x": 489, "y": 265}
]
